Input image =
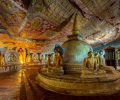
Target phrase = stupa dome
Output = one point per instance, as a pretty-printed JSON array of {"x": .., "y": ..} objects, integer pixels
[{"x": 76, "y": 49}]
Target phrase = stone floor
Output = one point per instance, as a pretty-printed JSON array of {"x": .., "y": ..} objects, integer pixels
[
  {"x": 10, "y": 85},
  {"x": 21, "y": 85}
]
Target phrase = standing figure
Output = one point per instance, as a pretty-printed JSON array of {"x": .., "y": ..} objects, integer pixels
[
  {"x": 28, "y": 58},
  {"x": 21, "y": 56},
  {"x": 58, "y": 60}
]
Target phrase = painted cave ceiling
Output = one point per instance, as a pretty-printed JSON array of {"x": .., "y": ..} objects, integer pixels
[{"x": 40, "y": 24}]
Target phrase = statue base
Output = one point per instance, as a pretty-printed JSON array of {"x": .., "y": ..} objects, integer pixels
[
  {"x": 78, "y": 85},
  {"x": 88, "y": 83}
]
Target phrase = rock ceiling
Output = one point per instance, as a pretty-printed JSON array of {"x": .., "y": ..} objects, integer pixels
[{"x": 40, "y": 24}]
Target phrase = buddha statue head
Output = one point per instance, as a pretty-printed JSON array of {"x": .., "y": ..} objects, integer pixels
[
  {"x": 102, "y": 52},
  {"x": 90, "y": 54},
  {"x": 96, "y": 54}
]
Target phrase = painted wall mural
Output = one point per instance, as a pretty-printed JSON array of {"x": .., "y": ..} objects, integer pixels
[{"x": 11, "y": 15}]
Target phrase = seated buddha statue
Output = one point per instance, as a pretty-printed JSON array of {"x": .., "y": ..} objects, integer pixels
[
  {"x": 102, "y": 64},
  {"x": 57, "y": 58},
  {"x": 90, "y": 61}
]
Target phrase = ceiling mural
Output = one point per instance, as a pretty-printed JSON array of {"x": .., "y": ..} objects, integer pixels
[
  {"x": 11, "y": 15},
  {"x": 40, "y": 24}
]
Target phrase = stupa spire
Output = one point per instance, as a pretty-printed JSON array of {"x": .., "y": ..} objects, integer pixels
[{"x": 76, "y": 25}]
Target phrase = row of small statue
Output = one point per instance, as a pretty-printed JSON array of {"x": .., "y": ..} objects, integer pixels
[
  {"x": 93, "y": 61},
  {"x": 58, "y": 59}
]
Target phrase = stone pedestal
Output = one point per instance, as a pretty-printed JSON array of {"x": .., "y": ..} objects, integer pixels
[
  {"x": 78, "y": 85},
  {"x": 57, "y": 70}
]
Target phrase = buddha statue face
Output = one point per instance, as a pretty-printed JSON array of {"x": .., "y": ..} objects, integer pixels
[
  {"x": 90, "y": 54},
  {"x": 96, "y": 54}
]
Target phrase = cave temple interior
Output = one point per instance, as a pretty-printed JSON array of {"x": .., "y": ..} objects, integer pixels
[{"x": 49, "y": 48}]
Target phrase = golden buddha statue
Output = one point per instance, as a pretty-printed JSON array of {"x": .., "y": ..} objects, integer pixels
[
  {"x": 58, "y": 60},
  {"x": 34, "y": 58},
  {"x": 28, "y": 58},
  {"x": 90, "y": 62},
  {"x": 21, "y": 55}
]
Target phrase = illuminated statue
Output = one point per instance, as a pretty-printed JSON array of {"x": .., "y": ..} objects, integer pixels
[
  {"x": 58, "y": 60},
  {"x": 34, "y": 58},
  {"x": 21, "y": 57},
  {"x": 28, "y": 58},
  {"x": 90, "y": 61}
]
